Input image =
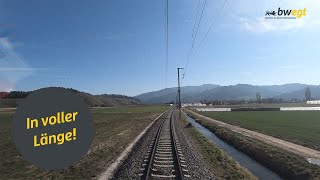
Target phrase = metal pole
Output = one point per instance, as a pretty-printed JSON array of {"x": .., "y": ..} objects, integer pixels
[{"x": 179, "y": 92}]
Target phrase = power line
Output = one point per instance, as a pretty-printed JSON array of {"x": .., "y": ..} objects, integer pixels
[
  {"x": 195, "y": 19},
  {"x": 211, "y": 26},
  {"x": 167, "y": 39},
  {"x": 214, "y": 20},
  {"x": 195, "y": 37}
]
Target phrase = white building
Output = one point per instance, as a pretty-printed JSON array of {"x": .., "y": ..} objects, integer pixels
[
  {"x": 193, "y": 104},
  {"x": 313, "y": 102}
]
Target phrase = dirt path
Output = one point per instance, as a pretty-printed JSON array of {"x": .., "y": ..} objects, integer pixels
[{"x": 289, "y": 146}]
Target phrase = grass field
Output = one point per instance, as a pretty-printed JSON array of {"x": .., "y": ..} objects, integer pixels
[
  {"x": 265, "y": 105},
  {"x": 301, "y": 127},
  {"x": 115, "y": 128},
  {"x": 133, "y": 109},
  {"x": 5, "y": 120},
  {"x": 284, "y": 163}
]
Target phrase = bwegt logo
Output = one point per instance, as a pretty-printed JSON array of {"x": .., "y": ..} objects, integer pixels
[{"x": 286, "y": 14}]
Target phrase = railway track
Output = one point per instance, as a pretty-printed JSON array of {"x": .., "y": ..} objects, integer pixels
[{"x": 164, "y": 158}]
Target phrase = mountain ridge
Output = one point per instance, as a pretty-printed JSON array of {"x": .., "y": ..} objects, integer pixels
[{"x": 211, "y": 92}]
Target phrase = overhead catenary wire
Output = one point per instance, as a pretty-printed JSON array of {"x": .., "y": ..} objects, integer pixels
[
  {"x": 213, "y": 22},
  {"x": 194, "y": 37},
  {"x": 201, "y": 42},
  {"x": 195, "y": 20}
]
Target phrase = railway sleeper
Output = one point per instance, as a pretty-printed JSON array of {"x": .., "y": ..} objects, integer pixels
[
  {"x": 163, "y": 165},
  {"x": 164, "y": 155},
  {"x": 164, "y": 158},
  {"x": 163, "y": 176},
  {"x": 163, "y": 161},
  {"x": 165, "y": 149},
  {"x": 164, "y": 145},
  {"x": 164, "y": 152}
]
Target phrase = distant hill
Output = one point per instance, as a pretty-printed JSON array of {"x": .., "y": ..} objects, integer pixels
[
  {"x": 106, "y": 100},
  {"x": 12, "y": 99},
  {"x": 211, "y": 92},
  {"x": 286, "y": 87},
  {"x": 168, "y": 95},
  {"x": 236, "y": 92},
  {"x": 299, "y": 94}
]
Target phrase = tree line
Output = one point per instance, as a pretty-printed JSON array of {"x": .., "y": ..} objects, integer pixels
[
  {"x": 23, "y": 94},
  {"x": 259, "y": 100}
]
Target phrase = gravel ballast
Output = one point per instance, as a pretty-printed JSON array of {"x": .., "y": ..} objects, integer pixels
[
  {"x": 130, "y": 168},
  {"x": 197, "y": 169}
]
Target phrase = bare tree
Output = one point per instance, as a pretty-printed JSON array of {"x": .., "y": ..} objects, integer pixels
[
  {"x": 307, "y": 93},
  {"x": 258, "y": 96}
]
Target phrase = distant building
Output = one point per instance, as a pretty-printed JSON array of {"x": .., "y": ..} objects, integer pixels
[
  {"x": 3, "y": 94},
  {"x": 313, "y": 102},
  {"x": 193, "y": 104}
]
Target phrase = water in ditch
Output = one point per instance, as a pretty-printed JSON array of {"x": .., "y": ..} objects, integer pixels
[{"x": 253, "y": 166}]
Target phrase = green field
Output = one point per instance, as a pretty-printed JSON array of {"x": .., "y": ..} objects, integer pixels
[
  {"x": 301, "y": 127},
  {"x": 264, "y": 105},
  {"x": 115, "y": 128},
  {"x": 133, "y": 109}
]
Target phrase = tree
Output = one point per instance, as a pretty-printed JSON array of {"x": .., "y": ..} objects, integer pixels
[
  {"x": 258, "y": 97},
  {"x": 308, "y": 93}
]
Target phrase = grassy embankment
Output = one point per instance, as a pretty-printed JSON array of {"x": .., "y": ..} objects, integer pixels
[
  {"x": 115, "y": 128},
  {"x": 300, "y": 127},
  {"x": 286, "y": 164},
  {"x": 221, "y": 165}
]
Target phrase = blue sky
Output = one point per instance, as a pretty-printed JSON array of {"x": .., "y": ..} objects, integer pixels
[{"x": 119, "y": 46}]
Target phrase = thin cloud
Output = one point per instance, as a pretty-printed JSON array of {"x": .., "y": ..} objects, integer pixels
[
  {"x": 5, "y": 43},
  {"x": 132, "y": 34},
  {"x": 61, "y": 76},
  {"x": 262, "y": 25},
  {"x": 115, "y": 36},
  {"x": 291, "y": 67},
  {"x": 54, "y": 76},
  {"x": 20, "y": 69},
  {"x": 108, "y": 37},
  {"x": 5, "y": 47},
  {"x": 247, "y": 73},
  {"x": 13, "y": 68},
  {"x": 260, "y": 58}
]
